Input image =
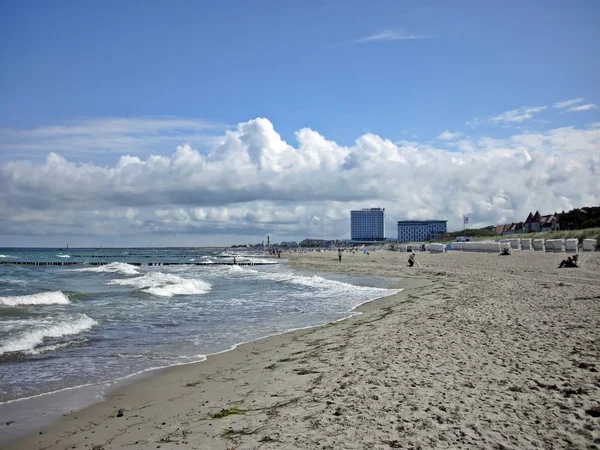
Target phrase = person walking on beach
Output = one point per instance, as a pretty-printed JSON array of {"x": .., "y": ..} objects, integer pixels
[{"x": 339, "y": 254}]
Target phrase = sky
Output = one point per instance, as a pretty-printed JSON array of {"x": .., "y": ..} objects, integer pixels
[{"x": 195, "y": 123}]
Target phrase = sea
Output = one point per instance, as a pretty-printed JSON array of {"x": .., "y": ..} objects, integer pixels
[{"x": 83, "y": 324}]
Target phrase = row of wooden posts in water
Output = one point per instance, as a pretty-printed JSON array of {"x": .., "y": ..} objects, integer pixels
[{"x": 73, "y": 263}]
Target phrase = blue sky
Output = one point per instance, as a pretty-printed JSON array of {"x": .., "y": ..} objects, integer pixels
[
  {"x": 407, "y": 71},
  {"x": 231, "y": 61}
]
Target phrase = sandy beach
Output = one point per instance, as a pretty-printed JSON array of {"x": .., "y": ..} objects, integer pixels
[{"x": 477, "y": 351}]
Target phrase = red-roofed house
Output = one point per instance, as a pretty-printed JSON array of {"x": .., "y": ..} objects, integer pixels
[{"x": 510, "y": 228}]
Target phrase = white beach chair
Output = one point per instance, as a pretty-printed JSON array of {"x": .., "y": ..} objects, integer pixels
[
  {"x": 589, "y": 245},
  {"x": 571, "y": 245}
]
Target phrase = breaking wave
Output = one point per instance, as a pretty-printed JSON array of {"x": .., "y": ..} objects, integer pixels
[
  {"x": 115, "y": 267},
  {"x": 27, "y": 341},
  {"x": 314, "y": 281},
  {"x": 41, "y": 298},
  {"x": 165, "y": 285}
]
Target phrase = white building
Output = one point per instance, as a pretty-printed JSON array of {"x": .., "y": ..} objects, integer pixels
[
  {"x": 367, "y": 224},
  {"x": 420, "y": 230}
]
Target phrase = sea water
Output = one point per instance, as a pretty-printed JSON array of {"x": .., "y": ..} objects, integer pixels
[{"x": 74, "y": 325}]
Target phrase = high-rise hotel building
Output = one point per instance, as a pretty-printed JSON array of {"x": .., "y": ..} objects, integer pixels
[{"x": 367, "y": 224}]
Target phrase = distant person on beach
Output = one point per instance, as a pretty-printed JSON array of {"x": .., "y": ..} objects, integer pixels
[
  {"x": 569, "y": 262},
  {"x": 340, "y": 254},
  {"x": 412, "y": 260},
  {"x": 234, "y": 260}
]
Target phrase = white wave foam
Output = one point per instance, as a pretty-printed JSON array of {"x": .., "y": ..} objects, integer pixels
[
  {"x": 16, "y": 281},
  {"x": 52, "y": 348},
  {"x": 4, "y": 256},
  {"x": 115, "y": 267},
  {"x": 186, "y": 287},
  {"x": 64, "y": 256},
  {"x": 316, "y": 282},
  {"x": 41, "y": 298},
  {"x": 165, "y": 285},
  {"x": 262, "y": 261},
  {"x": 28, "y": 340}
]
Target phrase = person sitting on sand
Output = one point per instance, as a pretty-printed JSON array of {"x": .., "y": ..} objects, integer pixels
[
  {"x": 569, "y": 262},
  {"x": 412, "y": 260},
  {"x": 505, "y": 251}
]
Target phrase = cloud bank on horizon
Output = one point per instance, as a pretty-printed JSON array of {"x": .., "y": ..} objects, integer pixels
[{"x": 251, "y": 183}]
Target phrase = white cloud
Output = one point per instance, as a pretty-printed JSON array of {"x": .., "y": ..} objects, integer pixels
[
  {"x": 586, "y": 107},
  {"x": 449, "y": 136},
  {"x": 513, "y": 117},
  {"x": 475, "y": 122},
  {"x": 518, "y": 115},
  {"x": 467, "y": 146},
  {"x": 251, "y": 183},
  {"x": 568, "y": 103},
  {"x": 384, "y": 36},
  {"x": 108, "y": 135}
]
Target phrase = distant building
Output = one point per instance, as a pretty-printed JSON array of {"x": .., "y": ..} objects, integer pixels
[
  {"x": 313, "y": 243},
  {"x": 290, "y": 244},
  {"x": 510, "y": 228},
  {"x": 536, "y": 222},
  {"x": 421, "y": 230},
  {"x": 367, "y": 224}
]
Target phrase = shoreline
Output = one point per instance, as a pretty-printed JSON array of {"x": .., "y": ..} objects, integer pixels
[
  {"x": 147, "y": 372},
  {"x": 478, "y": 351},
  {"x": 90, "y": 395}
]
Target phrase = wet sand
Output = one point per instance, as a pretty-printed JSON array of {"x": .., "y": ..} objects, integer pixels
[{"x": 478, "y": 351}]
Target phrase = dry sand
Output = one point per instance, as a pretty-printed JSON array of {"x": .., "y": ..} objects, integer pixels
[{"x": 479, "y": 351}]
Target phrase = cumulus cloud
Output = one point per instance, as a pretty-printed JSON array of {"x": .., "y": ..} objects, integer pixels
[
  {"x": 449, "y": 136},
  {"x": 568, "y": 103},
  {"x": 585, "y": 107},
  {"x": 252, "y": 183},
  {"x": 518, "y": 115}
]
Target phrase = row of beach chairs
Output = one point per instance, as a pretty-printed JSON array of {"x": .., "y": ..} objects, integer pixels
[{"x": 540, "y": 245}]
